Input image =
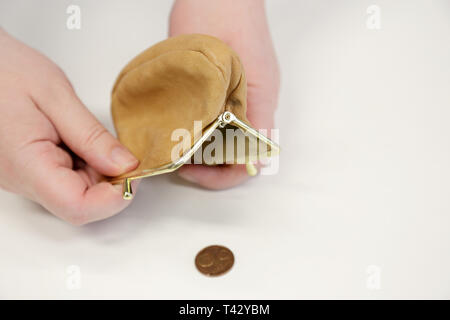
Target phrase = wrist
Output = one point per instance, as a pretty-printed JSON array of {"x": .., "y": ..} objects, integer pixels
[{"x": 217, "y": 18}]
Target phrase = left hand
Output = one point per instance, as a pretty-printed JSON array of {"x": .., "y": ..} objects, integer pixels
[{"x": 243, "y": 26}]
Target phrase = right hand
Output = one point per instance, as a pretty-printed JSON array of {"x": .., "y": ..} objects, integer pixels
[{"x": 52, "y": 149}]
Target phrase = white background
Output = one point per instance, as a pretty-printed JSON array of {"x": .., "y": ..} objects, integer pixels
[{"x": 364, "y": 173}]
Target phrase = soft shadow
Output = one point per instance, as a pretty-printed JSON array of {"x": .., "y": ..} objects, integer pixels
[{"x": 166, "y": 198}]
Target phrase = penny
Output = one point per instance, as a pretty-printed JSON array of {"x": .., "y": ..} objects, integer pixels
[{"x": 214, "y": 260}]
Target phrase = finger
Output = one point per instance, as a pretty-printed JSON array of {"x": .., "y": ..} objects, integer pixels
[
  {"x": 93, "y": 177},
  {"x": 261, "y": 108},
  {"x": 214, "y": 177},
  {"x": 74, "y": 196},
  {"x": 83, "y": 133}
]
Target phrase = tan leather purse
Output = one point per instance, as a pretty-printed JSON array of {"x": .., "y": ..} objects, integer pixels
[{"x": 168, "y": 87}]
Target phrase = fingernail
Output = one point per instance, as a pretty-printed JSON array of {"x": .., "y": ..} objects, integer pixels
[{"x": 123, "y": 158}]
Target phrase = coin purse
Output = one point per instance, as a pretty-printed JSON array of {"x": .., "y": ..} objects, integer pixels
[{"x": 193, "y": 83}]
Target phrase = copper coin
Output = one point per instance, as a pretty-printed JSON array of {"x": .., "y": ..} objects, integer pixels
[{"x": 214, "y": 260}]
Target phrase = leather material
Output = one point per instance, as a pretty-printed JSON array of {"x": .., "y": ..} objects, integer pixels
[{"x": 169, "y": 86}]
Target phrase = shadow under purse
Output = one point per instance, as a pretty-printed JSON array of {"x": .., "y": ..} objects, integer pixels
[{"x": 170, "y": 100}]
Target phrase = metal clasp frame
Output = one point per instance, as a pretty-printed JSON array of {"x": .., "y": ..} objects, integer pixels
[{"x": 225, "y": 118}]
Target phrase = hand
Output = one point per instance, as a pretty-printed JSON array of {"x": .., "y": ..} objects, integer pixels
[
  {"x": 243, "y": 26},
  {"x": 52, "y": 149}
]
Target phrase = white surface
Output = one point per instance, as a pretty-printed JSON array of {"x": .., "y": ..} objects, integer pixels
[{"x": 364, "y": 177}]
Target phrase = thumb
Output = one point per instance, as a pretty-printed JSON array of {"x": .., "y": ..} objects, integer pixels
[{"x": 85, "y": 135}]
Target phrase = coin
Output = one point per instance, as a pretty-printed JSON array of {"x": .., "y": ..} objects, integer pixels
[{"x": 214, "y": 260}]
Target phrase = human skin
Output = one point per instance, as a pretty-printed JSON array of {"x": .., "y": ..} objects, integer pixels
[
  {"x": 242, "y": 24},
  {"x": 52, "y": 149}
]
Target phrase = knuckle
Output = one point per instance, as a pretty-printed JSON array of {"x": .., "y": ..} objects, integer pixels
[
  {"x": 60, "y": 89},
  {"x": 94, "y": 134},
  {"x": 70, "y": 209},
  {"x": 76, "y": 217},
  {"x": 56, "y": 88},
  {"x": 77, "y": 220}
]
